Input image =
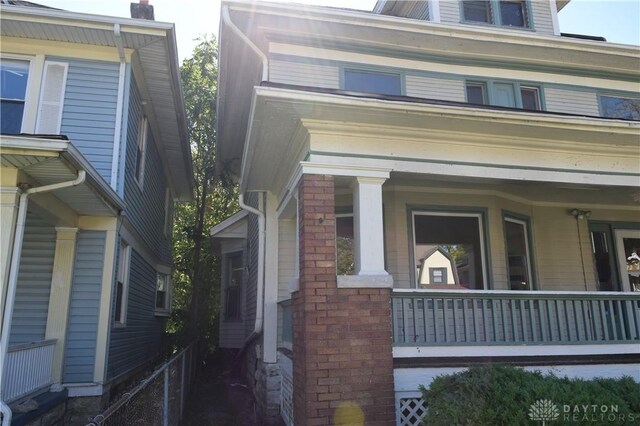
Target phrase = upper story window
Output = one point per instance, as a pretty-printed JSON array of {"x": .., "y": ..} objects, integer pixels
[
  {"x": 141, "y": 150},
  {"x": 506, "y": 13},
  {"x": 382, "y": 83},
  {"x": 620, "y": 107},
  {"x": 163, "y": 283},
  {"x": 13, "y": 89},
  {"x": 506, "y": 94}
]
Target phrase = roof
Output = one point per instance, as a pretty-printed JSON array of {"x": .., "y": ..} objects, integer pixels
[
  {"x": 156, "y": 58},
  {"x": 48, "y": 160}
]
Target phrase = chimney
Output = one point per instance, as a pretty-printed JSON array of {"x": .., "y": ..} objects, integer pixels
[{"x": 142, "y": 10}]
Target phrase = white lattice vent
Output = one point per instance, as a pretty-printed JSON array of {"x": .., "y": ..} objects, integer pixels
[{"x": 412, "y": 411}]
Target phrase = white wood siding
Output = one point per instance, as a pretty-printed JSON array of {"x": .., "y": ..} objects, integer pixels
[
  {"x": 435, "y": 88},
  {"x": 571, "y": 101},
  {"x": 449, "y": 12},
  {"x": 541, "y": 16},
  {"x": 304, "y": 74}
]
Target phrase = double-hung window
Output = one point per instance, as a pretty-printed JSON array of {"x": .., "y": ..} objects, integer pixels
[
  {"x": 516, "y": 233},
  {"x": 141, "y": 150},
  {"x": 163, "y": 293},
  {"x": 505, "y": 13},
  {"x": 382, "y": 83},
  {"x": 233, "y": 287},
  {"x": 626, "y": 108},
  {"x": 505, "y": 94},
  {"x": 13, "y": 88}
]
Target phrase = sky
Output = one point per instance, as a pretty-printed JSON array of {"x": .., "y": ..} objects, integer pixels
[{"x": 616, "y": 20}]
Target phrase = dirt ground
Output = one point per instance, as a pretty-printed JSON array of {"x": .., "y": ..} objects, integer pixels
[{"x": 218, "y": 399}]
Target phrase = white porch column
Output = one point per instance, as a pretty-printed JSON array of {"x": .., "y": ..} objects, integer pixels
[
  {"x": 367, "y": 226},
  {"x": 60, "y": 296},
  {"x": 9, "y": 195}
]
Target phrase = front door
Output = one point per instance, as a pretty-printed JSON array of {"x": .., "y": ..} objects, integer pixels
[{"x": 628, "y": 254}]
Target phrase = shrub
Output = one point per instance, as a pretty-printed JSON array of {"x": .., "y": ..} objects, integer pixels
[{"x": 502, "y": 395}]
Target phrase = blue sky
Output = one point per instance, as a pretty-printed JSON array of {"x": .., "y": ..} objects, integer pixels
[{"x": 616, "y": 20}]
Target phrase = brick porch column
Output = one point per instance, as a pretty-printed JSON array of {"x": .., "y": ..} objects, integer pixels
[{"x": 342, "y": 355}]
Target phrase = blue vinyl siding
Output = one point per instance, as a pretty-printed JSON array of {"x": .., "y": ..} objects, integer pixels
[
  {"x": 34, "y": 282},
  {"x": 82, "y": 329},
  {"x": 89, "y": 113},
  {"x": 139, "y": 341},
  {"x": 145, "y": 207}
]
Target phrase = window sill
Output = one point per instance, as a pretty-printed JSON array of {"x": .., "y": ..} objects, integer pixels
[
  {"x": 119, "y": 325},
  {"x": 487, "y": 25},
  {"x": 162, "y": 313}
]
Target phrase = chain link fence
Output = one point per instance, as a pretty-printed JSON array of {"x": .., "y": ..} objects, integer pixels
[{"x": 159, "y": 400}]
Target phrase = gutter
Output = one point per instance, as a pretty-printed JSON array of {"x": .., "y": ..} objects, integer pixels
[
  {"x": 115, "y": 162},
  {"x": 13, "y": 278},
  {"x": 226, "y": 18}
]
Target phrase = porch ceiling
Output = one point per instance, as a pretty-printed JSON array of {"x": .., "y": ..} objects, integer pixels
[
  {"x": 282, "y": 121},
  {"x": 47, "y": 162}
]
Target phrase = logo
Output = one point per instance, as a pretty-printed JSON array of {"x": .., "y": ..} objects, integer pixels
[{"x": 543, "y": 410}]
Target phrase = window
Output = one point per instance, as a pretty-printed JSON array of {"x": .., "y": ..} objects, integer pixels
[
  {"x": 13, "y": 88},
  {"x": 233, "y": 288},
  {"x": 372, "y": 82},
  {"x": 345, "y": 261},
  {"x": 516, "y": 233},
  {"x": 437, "y": 275},
  {"x": 477, "y": 93},
  {"x": 477, "y": 11},
  {"x": 620, "y": 107},
  {"x": 141, "y": 150},
  {"x": 530, "y": 98},
  {"x": 448, "y": 238},
  {"x": 163, "y": 287},
  {"x": 505, "y": 13},
  {"x": 504, "y": 94},
  {"x": 122, "y": 284}
]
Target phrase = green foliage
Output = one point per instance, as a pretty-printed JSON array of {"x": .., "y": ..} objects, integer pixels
[
  {"x": 196, "y": 280},
  {"x": 344, "y": 250},
  {"x": 503, "y": 395}
]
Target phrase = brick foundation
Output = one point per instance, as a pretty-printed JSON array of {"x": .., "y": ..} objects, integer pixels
[{"x": 342, "y": 354}]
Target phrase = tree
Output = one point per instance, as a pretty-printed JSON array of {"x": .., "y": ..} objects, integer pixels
[{"x": 197, "y": 271}]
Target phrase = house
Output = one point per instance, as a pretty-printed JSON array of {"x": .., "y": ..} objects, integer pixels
[
  {"x": 94, "y": 152},
  {"x": 474, "y": 126}
]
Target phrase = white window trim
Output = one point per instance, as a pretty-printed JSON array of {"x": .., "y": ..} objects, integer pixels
[
  {"x": 142, "y": 140},
  {"x": 124, "y": 259},
  {"x": 166, "y": 310},
  {"x": 481, "y": 231}
]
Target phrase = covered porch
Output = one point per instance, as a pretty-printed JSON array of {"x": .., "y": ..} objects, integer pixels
[{"x": 58, "y": 226}]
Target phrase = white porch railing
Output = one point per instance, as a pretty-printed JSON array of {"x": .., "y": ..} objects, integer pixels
[
  {"x": 467, "y": 317},
  {"x": 28, "y": 368}
]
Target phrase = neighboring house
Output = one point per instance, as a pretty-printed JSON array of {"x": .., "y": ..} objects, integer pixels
[
  {"x": 473, "y": 126},
  {"x": 94, "y": 152}
]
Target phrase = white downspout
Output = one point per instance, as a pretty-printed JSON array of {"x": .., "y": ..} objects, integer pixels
[
  {"x": 226, "y": 18},
  {"x": 257, "y": 328},
  {"x": 13, "y": 279},
  {"x": 117, "y": 136}
]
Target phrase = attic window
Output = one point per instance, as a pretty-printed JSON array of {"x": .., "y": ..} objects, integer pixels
[{"x": 381, "y": 83}]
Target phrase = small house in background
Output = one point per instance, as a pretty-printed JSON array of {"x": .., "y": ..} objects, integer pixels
[
  {"x": 93, "y": 152},
  {"x": 430, "y": 185}
]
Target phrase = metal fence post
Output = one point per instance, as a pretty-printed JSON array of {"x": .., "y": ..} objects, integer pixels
[
  {"x": 165, "y": 408},
  {"x": 182, "y": 396}
]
